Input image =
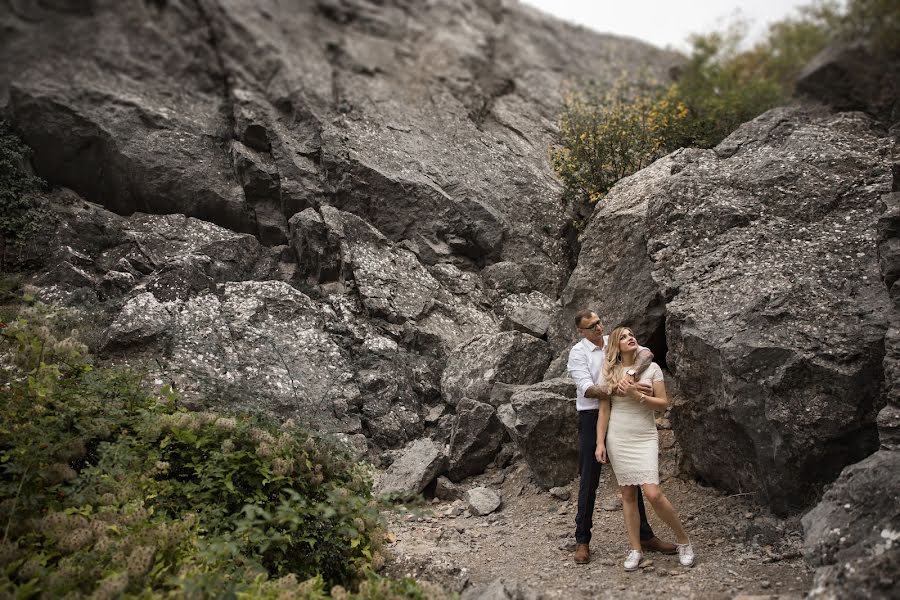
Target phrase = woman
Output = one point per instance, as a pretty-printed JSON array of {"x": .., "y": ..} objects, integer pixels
[{"x": 626, "y": 429}]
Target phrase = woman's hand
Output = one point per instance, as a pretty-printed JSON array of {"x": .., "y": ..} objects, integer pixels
[
  {"x": 601, "y": 453},
  {"x": 629, "y": 389}
]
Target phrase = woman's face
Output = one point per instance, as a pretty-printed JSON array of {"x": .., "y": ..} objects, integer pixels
[{"x": 627, "y": 342}]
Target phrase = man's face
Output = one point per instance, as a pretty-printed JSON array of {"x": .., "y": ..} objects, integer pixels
[{"x": 592, "y": 329}]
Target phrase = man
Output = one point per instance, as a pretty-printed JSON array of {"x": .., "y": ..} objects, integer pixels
[{"x": 586, "y": 367}]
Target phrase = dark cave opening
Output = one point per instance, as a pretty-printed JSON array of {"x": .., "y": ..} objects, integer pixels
[{"x": 657, "y": 342}]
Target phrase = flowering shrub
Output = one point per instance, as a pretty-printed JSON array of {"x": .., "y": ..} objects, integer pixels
[
  {"x": 607, "y": 134},
  {"x": 108, "y": 490}
]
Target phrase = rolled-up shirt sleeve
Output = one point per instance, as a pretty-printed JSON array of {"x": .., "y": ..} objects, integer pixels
[{"x": 580, "y": 370}]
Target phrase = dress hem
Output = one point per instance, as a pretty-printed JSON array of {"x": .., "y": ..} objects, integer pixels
[{"x": 636, "y": 478}]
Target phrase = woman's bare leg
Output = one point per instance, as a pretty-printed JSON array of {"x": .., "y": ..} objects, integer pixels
[
  {"x": 662, "y": 507},
  {"x": 632, "y": 516}
]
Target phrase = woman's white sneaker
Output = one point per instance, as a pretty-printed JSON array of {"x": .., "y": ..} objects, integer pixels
[
  {"x": 686, "y": 555},
  {"x": 634, "y": 560}
]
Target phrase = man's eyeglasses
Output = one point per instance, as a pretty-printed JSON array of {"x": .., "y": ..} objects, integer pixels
[{"x": 594, "y": 325}]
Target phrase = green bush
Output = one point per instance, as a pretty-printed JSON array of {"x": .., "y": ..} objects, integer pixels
[
  {"x": 110, "y": 490},
  {"x": 611, "y": 133},
  {"x": 22, "y": 214},
  {"x": 607, "y": 134},
  {"x": 876, "y": 23}
]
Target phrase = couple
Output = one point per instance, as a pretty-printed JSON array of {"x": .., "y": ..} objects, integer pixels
[{"x": 619, "y": 391}]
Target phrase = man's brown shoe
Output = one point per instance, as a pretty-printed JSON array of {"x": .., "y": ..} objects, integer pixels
[
  {"x": 582, "y": 554},
  {"x": 655, "y": 544}
]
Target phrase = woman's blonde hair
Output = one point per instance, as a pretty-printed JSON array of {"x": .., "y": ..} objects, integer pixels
[{"x": 612, "y": 367}]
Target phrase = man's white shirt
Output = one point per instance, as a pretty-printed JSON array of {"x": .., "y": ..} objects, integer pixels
[{"x": 586, "y": 368}]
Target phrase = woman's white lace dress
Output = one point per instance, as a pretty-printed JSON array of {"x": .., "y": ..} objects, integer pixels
[{"x": 632, "y": 443}]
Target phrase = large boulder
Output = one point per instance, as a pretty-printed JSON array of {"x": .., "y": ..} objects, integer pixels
[
  {"x": 853, "y": 534},
  {"x": 124, "y": 104},
  {"x": 546, "y": 431},
  {"x": 853, "y": 77},
  {"x": 418, "y": 465},
  {"x": 475, "y": 366},
  {"x": 476, "y": 439},
  {"x": 777, "y": 316},
  {"x": 756, "y": 258},
  {"x": 263, "y": 346}
]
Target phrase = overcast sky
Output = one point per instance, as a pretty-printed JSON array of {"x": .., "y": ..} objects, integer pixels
[{"x": 665, "y": 22}]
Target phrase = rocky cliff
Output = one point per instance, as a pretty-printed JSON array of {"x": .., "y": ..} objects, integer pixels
[
  {"x": 431, "y": 121},
  {"x": 302, "y": 208}
]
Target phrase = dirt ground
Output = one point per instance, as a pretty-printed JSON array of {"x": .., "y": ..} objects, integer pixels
[{"x": 742, "y": 551}]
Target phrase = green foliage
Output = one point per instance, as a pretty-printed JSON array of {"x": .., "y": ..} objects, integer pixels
[
  {"x": 722, "y": 90},
  {"x": 612, "y": 133},
  {"x": 110, "y": 490},
  {"x": 608, "y": 134},
  {"x": 21, "y": 213},
  {"x": 874, "y": 22}
]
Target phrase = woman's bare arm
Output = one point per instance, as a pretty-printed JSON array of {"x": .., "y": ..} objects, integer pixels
[
  {"x": 659, "y": 401},
  {"x": 602, "y": 425}
]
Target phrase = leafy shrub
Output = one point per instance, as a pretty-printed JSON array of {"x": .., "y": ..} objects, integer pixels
[
  {"x": 612, "y": 133},
  {"x": 608, "y": 134},
  {"x": 874, "y": 22},
  {"x": 22, "y": 215},
  {"x": 109, "y": 490}
]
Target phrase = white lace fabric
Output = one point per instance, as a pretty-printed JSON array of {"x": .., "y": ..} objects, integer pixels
[{"x": 637, "y": 477}]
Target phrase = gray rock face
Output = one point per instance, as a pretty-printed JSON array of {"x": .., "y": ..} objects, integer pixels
[
  {"x": 505, "y": 277},
  {"x": 889, "y": 263},
  {"x": 476, "y": 439},
  {"x": 850, "y": 77},
  {"x": 418, "y": 465},
  {"x": 391, "y": 283},
  {"x": 394, "y": 385},
  {"x": 767, "y": 345},
  {"x": 263, "y": 345},
  {"x": 853, "y": 534},
  {"x": 529, "y": 313},
  {"x": 141, "y": 320},
  {"x": 546, "y": 431},
  {"x": 483, "y": 501},
  {"x": 212, "y": 312},
  {"x": 763, "y": 251},
  {"x": 475, "y": 366},
  {"x": 320, "y": 245},
  {"x": 158, "y": 107},
  {"x": 613, "y": 276}
]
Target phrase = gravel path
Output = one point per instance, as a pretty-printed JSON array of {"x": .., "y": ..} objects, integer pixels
[{"x": 742, "y": 552}]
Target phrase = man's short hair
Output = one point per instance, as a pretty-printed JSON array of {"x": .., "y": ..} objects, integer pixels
[{"x": 583, "y": 314}]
